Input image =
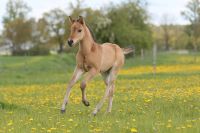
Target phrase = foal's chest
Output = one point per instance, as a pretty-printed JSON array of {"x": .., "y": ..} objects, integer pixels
[{"x": 86, "y": 64}]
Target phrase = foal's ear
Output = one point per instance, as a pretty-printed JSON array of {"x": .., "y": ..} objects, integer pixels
[
  {"x": 71, "y": 20},
  {"x": 81, "y": 20}
]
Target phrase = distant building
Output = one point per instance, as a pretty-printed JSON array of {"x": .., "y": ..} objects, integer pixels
[{"x": 6, "y": 48}]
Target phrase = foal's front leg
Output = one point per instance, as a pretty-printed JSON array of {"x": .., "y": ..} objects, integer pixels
[
  {"x": 92, "y": 72},
  {"x": 76, "y": 75}
]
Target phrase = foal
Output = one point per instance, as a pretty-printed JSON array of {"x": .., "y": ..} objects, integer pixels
[{"x": 92, "y": 59}]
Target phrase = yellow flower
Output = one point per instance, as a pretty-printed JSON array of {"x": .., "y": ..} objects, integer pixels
[
  {"x": 169, "y": 125},
  {"x": 133, "y": 130},
  {"x": 33, "y": 129},
  {"x": 183, "y": 127},
  {"x": 189, "y": 125},
  {"x": 97, "y": 129},
  {"x": 134, "y": 120},
  {"x": 10, "y": 123},
  {"x": 147, "y": 100},
  {"x": 70, "y": 120},
  {"x": 53, "y": 128},
  {"x": 169, "y": 120}
]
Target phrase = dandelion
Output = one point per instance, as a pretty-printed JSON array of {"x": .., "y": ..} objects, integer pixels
[
  {"x": 10, "y": 123},
  {"x": 53, "y": 128},
  {"x": 189, "y": 126},
  {"x": 10, "y": 112},
  {"x": 134, "y": 130},
  {"x": 169, "y": 125},
  {"x": 133, "y": 120},
  {"x": 170, "y": 120},
  {"x": 70, "y": 120},
  {"x": 97, "y": 129},
  {"x": 33, "y": 129},
  {"x": 183, "y": 127},
  {"x": 147, "y": 100}
]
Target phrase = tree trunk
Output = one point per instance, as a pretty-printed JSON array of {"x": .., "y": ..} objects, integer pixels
[
  {"x": 60, "y": 47},
  {"x": 60, "y": 41},
  {"x": 166, "y": 41}
]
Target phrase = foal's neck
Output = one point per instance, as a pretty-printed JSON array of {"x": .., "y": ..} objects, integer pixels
[{"x": 87, "y": 42}]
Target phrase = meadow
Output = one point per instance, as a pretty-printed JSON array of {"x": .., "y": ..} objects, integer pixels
[{"x": 32, "y": 89}]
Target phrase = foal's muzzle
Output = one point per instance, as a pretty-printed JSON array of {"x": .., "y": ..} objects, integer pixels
[{"x": 70, "y": 42}]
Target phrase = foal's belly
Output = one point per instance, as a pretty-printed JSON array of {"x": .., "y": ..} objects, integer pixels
[{"x": 108, "y": 57}]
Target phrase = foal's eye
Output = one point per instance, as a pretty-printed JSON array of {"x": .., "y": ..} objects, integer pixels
[{"x": 79, "y": 30}]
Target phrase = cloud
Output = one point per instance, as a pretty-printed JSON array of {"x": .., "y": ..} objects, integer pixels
[{"x": 173, "y": 8}]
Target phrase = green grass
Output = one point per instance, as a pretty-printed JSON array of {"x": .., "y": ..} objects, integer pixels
[{"x": 32, "y": 90}]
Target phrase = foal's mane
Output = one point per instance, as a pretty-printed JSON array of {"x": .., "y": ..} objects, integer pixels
[{"x": 91, "y": 32}]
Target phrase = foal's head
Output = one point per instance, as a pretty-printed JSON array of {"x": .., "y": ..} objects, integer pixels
[{"x": 77, "y": 30}]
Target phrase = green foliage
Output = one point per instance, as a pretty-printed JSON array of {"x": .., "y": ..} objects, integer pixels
[
  {"x": 18, "y": 31},
  {"x": 94, "y": 23},
  {"x": 16, "y": 9},
  {"x": 177, "y": 37},
  {"x": 17, "y": 28},
  {"x": 192, "y": 14},
  {"x": 124, "y": 24},
  {"x": 128, "y": 24},
  {"x": 54, "y": 27}
]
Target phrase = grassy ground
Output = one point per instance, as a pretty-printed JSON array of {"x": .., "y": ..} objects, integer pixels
[{"x": 32, "y": 90}]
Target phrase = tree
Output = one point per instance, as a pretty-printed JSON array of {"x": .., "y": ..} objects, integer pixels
[
  {"x": 17, "y": 28},
  {"x": 1, "y": 40},
  {"x": 178, "y": 39},
  {"x": 95, "y": 20},
  {"x": 192, "y": 14},
  {"x": 124, "y": 24},
  {"x": 19, "y": 32},
  {"x": 129, "y": 24},
  {"x": 54, "y": 25},
  {"x": 165, "y": 25},
  {"x": 16, "y": 9}
]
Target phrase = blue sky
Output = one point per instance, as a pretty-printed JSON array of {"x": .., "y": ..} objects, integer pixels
[{"x": 156, "y": 8}]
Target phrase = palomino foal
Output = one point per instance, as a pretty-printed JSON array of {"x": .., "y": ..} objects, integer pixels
[{"x": 92, "y": 59}]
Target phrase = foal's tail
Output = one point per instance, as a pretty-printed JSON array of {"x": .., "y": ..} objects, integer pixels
[{"x": 127, "y": 50}]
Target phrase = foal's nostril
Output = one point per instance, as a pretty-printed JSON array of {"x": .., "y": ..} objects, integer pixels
[{"x": 70, "y": 42}]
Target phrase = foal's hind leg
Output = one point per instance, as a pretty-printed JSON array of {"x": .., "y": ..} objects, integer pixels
[
  {"x": 109, "y": 80},
  {"x": 111, "y": 92}
]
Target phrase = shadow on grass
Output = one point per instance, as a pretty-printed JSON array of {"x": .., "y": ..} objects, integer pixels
[{"x": 7, "y": 106}]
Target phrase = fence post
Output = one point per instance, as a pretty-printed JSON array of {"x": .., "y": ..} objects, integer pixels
[
  {"x": 154, "y": 58},
  {"x": 142, "y": 54}
]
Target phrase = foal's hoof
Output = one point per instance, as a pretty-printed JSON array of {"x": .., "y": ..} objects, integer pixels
[
  {"x": 62, "y": 111},
  {"x": 95, "y": 112},
  {"x": 86, "y": 103}
]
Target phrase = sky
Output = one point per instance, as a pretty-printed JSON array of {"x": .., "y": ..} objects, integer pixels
[{"x": 156, "y": 8}]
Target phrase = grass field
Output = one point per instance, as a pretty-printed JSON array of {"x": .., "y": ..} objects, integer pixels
[{"x": 32, "y": 90}]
